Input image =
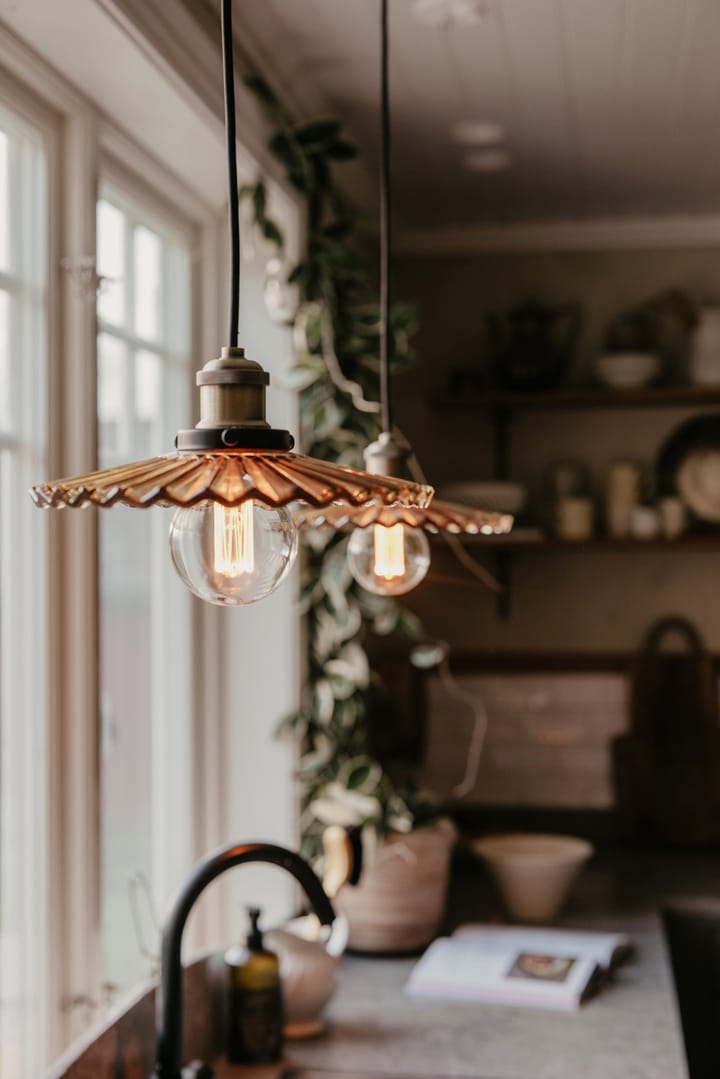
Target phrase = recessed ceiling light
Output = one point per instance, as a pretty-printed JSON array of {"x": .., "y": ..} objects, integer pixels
[
  {"x": 478, "y": 132},
  {"x": 443, "y": 12},
  {"x": 486, "y": 160}
]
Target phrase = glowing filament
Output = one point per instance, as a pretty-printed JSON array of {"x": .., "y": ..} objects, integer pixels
[
  {"x": 389, "y": 551},
  {"x": 234, "y": 539}
]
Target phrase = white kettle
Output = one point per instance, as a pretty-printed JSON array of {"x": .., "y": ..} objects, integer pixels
[
  {"x": 309, "y": 953},
  {"x": 309, "y": 970}
]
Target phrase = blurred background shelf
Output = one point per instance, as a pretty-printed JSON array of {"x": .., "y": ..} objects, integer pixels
[
  {"x": 503, "y": 550},
  {"x": 532, "y": 541},
  {"x": 580, "y": 397}
]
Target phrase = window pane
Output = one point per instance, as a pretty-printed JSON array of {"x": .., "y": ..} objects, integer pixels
[
  {"x": 147, "y": 385},
  {"x": 125, "y": 679},
  {"x": 113, "y": 418},
  {"x": 147, "y": 283},
  {"x": 4, "y": 202},
  {"x": 144, "y": 613},
  {"x": 4, "y": 360},
  {"x": 111, "y": 262},
  {"x": 148, "y": 400}
]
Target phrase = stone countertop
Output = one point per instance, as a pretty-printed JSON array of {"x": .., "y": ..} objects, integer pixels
[{"x": 630, "y": 1030}]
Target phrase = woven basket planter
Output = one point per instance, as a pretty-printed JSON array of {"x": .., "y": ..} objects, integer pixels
[{"x": 399, "y": 902}]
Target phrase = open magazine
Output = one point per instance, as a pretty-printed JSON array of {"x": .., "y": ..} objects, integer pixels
[{"x": 537, "y": 968}]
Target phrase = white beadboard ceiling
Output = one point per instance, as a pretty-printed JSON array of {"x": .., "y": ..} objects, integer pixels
[{"x": 611, "y": 108}]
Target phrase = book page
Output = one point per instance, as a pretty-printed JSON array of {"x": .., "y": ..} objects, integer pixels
[
  {"x": 607, "y": 949},
  {"x": 503, "y": 973}
]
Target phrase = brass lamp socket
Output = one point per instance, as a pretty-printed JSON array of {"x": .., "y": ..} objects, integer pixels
[{"x": 232, "y": 408}]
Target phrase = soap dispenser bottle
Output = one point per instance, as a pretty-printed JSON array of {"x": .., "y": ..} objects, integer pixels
[{"x": 254, "y": 1014}]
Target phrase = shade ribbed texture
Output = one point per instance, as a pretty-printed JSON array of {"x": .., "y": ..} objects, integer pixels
[
  {"x": 437, "y": 517},
  {"x": 230, "y": 478}
]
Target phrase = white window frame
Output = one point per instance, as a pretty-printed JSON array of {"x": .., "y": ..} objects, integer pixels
[
  {"x": 77, "y": 140},
  {"x": 25, "y": 683},
  {"x": 82, "y": 142}
]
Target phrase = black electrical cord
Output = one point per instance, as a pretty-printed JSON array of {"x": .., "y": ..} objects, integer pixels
[
  {"x": 233, "y": 209},
  {"x": 385, "y": 224}
]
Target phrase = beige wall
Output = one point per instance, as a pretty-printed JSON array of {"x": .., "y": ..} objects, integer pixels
[{"x": 560, "y": 601}]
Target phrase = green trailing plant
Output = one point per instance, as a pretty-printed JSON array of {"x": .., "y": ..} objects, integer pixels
[{"x": 336, "y": 330}]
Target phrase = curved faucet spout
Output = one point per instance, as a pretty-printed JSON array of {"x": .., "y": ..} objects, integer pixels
[{"x": 169, "y": 1022}]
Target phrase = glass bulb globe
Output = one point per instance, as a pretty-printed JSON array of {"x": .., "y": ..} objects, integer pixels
[
  {"x": 235, "y": 556},
  {"x": 388, "y": 561}
]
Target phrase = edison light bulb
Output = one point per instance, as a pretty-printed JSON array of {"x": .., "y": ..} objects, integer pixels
[
  {"x": 232, "y": 556},
  {"x": 388, "y": 561}
]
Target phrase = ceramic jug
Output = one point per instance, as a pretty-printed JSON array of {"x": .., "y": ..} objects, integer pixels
[
  {"x": 705, "y": 348},
  {"x": 531, "y": 344}
]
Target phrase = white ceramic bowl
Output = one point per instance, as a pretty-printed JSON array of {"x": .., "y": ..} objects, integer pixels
[
  {"x": 627, "y": 369},
  {"x": 533, "y": 873},
  {"x": 486, "y": 495}
]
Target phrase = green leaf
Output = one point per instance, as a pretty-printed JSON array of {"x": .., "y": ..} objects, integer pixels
[
  {"x": 272, "y": 233},
  {"x": 342, "y": 687},
  {"x": 338, "y": 229},
  {"x": 287, "y": 152},
  {"x": 362, "y": 774},
  {"x": 301, "y": 179},
  {"x": 318, "y": 133},
  {"x": 323, "y": 701},
  {"x": 342, "y": 150},
  {"x": 261, "y": 89},
  {"x": 259, "y": 199},
  {"x": 295, "y": 276}
]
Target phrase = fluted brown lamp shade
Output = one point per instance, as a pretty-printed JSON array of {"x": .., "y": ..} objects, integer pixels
[
  {"x": 232, "y": 539},
  {"x": 230, "y": 478},
  {"x": 438, "y": 516}
]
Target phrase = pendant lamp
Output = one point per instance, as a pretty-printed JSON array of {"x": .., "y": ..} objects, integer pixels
[
  {"x": 232, "y": 477},
  {"x": 389, "y": 553}
]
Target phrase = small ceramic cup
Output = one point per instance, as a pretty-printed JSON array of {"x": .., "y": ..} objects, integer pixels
[
  {"x": 673, "y": 517},
  {"x": 644, "y": 522}
]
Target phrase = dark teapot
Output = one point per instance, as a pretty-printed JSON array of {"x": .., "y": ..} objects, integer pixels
[{"x": 531, "y": 344}]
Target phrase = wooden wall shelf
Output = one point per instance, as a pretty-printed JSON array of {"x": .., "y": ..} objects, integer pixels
[
  {"x": 503, "y": 549},
  {"x": 502, "y": 406}
]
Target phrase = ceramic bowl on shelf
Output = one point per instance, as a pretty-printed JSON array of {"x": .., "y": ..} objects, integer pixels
[
  {"x": 627, "y": 370},
  {"x": 533, "y": 873},
  {"x": 503, "y": 497}
]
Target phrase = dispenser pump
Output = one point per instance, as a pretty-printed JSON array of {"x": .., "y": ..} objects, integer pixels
[{"x": 254, "y": 938}]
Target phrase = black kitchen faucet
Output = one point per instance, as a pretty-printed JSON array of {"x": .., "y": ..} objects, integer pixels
[{"x": 169, "y": 1016}]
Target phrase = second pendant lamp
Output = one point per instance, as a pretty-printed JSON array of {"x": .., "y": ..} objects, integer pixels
[{"x": 389, "y": 553}]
